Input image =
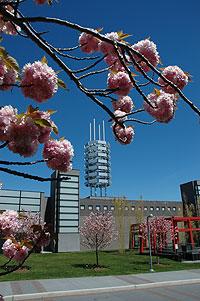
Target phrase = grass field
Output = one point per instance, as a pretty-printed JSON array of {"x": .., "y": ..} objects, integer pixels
[{"x": 66, "y": 265}]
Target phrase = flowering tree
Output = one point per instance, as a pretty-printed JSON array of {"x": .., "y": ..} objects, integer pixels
[
  {"x": 98, "y": 232},
  {"x": 161, "y": 231},
  {"x": 22, "y": 132},
  {"x": 23, "y": 233}
]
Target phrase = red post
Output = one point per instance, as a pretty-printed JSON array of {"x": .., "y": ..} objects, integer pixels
[
  {"x": 191, "y": 235},
  {"x": 141, "y": 245}
]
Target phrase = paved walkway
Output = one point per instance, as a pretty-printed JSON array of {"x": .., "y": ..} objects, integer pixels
[{"x": 46, "y": 289}]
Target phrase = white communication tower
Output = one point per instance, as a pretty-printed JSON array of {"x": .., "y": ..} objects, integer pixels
[{"x": 97, "y": 162}]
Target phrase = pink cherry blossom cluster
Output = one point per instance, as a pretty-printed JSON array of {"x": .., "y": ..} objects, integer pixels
[
  {"x": 149, "y": 51},
  {"x": 6, "y": 26},
  {"x": 6, "y": 77},
  {"x": 41, "y": 80},
  {"x": 161, "y": 230},
  {"x": 89, "y": 43},
  {"x": 123, "y": 135},
  {"x": 123, "y": 103},
  {"x": 23, "y": 137},
  {"x": 120, "y": 83},
  {"x": 163, "y": 106},
  {"x": 98, "y": 230},
  {"x": 40, "y": 2},
  {"x": 23, "y": 132},
  {"x": 176, "y": 76},
  {"x": 59, "y": 153},
  {"x": 8, "y": 115},
  {"x": 9, "y": 222},
  {"x": 20, "y": 228}
]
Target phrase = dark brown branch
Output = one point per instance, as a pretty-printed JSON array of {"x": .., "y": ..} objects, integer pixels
[
  {"x": 89, "y": 67},
  {"x": 142, "y": 122},
  {"x": 23, "y": 163},
  {"x": 4, "y": 144},
  {"x": 31, "y": 177}
]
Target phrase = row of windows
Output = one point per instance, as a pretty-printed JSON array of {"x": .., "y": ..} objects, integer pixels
[{"x": 112, "y": 208}]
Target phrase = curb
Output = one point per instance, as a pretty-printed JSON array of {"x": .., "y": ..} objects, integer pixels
[{"x": 83, "y": 292}]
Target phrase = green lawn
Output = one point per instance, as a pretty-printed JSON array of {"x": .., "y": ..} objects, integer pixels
[{"x": 66, "y": 265}]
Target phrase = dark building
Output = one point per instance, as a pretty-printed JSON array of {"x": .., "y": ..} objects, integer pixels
[{"x": 190, "y": 193}]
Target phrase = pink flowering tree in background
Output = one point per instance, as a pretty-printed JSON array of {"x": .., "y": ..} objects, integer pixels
[
  {"x": 98, "y": 232},
  {"x": 23, "y": 233},
  {"x": 161, "y": 233},
  {"x": 109, "y": 54}
]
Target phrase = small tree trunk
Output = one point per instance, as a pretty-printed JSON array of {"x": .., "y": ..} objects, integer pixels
[
  {"x": 97, "y": 255},
  {"x": 157, "y": 259}
]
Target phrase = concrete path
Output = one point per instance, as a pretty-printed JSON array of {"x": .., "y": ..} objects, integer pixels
[{"x": 46, "y": 289}]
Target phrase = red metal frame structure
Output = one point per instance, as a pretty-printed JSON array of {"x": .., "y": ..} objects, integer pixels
[{"x": 175, "y": 221}]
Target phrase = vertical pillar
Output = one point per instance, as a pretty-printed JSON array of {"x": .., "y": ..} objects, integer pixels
[
  {"x": 191, "y": 235},
  {"x": 141, "y": 245}
]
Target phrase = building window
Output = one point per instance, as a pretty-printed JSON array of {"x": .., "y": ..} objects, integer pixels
[
  {"x": 179, "y": 208},
  {"x": 90, "y": 207},
  {"x": 157, "y": 208},
  {"x": 126, "y": 208},
  {"x": 174, "y": 208},
  {"x": 145, "y": 208},
  {"x": 169, "y": 208},
  {"x": 82, "y": 207},
  {"x": 105, "y": 208},
  {"x": 97, "y": 207},
  {"x": 112, "y": 208},
  {"x": 132, "y": 208},
  {"x": 163, "y": 208},
  {"x": 139, "y": 208},
  {"x": 151, "y": 208}
]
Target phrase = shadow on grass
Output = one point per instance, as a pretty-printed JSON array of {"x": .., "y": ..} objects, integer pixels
[{"x": 90, "y": 266}]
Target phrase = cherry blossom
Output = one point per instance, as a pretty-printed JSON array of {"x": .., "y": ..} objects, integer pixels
[
  {"x": 123, "y": 103},
  {"x": 23, "y": 137},
  {"x": 6, "y": 77},
  {"x": 164, "y": 106},
  {"x": 107, "y": 48},
  {"x": 120, "y": 83},
  {"x": 40, "y": 2},
  {"x": 44, "y": 81},
  {"x": 9, "y": 222},
  {"x": 7, "y": 116},
  {"x": 148, "y": 50},
  {"x": 9, "y": 29},
  {"x": 98, "y": 231},
  {"x": 9, "y": 248},
  {"x": 89, "y": 42},
  {"x": 175, "y": 75},
  {"x": 161, "y": 230},
  {"x": 59, "y": 153},
  {"x": 44, "y": 131},
  {"x": 124, "y": 135},
  {"x": 21, "y": 253}
]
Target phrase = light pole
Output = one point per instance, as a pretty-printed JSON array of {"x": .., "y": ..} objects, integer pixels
[{"x": 148, "y": 230}]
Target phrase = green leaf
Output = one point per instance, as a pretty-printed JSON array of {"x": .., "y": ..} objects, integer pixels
[
  {"x": 20, "y": 115},
  {"x": 51, "y": 111},
  {"x": 42, "y": 122},
  {"x": 11, "y": 63},
  {"x": 31, "y": 109},
  {"x": 156, "y": 91},
  {"x": 44, "y": 60},
  {"x": 61, "y": 84}
]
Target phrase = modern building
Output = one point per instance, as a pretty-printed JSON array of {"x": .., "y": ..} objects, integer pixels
[
  {"x": 66, "y": 211},
  {"x": 63, "y": 211},
  {"x": 190, "y": 193},
  {"x": 97, "y": 163}
]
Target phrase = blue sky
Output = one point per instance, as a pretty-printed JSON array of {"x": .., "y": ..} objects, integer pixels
[{"x": 161, "y": 156}]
